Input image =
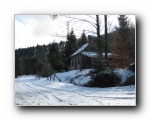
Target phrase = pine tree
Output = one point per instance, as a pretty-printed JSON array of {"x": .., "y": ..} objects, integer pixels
[
  {"x": 42, "y": 59},
  {"x": 71, "y": 44},
  {"x": 82, "y": 40},
  {"x": 123, "y": 29},
  {"x": 55, "y": 57},
  {"x": 70, "y": 47}
]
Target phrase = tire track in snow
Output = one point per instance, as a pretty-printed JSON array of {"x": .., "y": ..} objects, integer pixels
[
  {"x": 30, "y": 93},
  {"x": 67, "y": 98},
  {"x": 78, "y": 95},
  {"x": 33, "y": 94},
  {"x": 39, "y": 95}
]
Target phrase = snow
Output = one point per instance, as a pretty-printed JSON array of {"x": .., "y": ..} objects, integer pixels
[
  {"x": 80, "y": 49},
  {"x": 30, "y": 91},
  {"x": 89, "y": 54},
  {"x": 94, "y": 54},
  {"x": 109, "y": 55},
  {"x": 124, "y": 74},
  {"x": 77, "y": 77}
]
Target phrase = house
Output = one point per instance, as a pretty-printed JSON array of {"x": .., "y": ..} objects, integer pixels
[{"x": 84, "y": 57}]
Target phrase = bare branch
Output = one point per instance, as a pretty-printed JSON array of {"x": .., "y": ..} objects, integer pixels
[
  {"x": 53, "y": 17},
  {"x": 92, "y": 17},
  {"x": 80, "y": 19},
  {"x": 90, "y": 31}
]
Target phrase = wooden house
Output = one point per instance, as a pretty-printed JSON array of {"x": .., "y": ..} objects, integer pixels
[{"x": 84, "y": 57}]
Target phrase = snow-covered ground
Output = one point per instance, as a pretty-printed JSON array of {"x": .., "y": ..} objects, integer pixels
[{"x": 30, "y": 91}]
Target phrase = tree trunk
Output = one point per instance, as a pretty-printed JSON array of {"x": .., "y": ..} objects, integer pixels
[
  {"x": 98, "y": 36},
  {"x": 106, "y": 48}
]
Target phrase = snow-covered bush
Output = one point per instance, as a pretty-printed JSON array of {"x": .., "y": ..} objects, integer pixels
[
  {"x": 105, "y": 79},
  {"x": 124, "y": 74}
]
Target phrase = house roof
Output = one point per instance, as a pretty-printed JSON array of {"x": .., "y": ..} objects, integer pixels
[
  {"x": 80, "y": 49},
  {"x": 90, "y": 54},
  {"x": 95, "y": 54}
]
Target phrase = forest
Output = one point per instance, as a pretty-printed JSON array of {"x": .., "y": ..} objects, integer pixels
[{"x": 44, "y": 60}]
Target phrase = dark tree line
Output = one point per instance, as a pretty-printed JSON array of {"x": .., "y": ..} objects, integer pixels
[{"x": 38, "y": 60}]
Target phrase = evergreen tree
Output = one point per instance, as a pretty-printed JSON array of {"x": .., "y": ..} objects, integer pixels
[
  {"x": 70, "y": 47},
  {"x": 82, "y": 40},
  {"x": 99, "y": 63},
  {"x": 71, "y": 44},
  {"x": 123, "y": 29},
  {"x": 42, "y": 60},
  {"x": 61, "y": 46},
  {"x": 55, "y": 57}
]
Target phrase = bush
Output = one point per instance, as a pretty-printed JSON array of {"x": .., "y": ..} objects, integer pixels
[
  {"x": 130, "y": 81},
  {"x": 105, "y": 79},
  {"x": 131, "y": 67}
]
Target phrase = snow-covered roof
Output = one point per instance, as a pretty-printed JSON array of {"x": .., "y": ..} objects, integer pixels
[
  {"x": 90, "y": 54},
  {"x": 80, "y": 49},
  {"x": 94, "y": 54},
  {"x": 109, "y": 55}
]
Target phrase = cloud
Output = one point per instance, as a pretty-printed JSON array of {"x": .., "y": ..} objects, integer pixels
[{"x": 31, "y": 30}]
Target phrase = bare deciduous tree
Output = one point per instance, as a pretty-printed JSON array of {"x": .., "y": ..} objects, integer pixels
[{"x": 121, "y": 51}]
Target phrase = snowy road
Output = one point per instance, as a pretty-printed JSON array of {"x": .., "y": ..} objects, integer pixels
[{"x": 29, "y": 91}]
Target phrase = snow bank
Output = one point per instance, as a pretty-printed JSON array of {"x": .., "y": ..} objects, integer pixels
[
  {"x": 81, "y": 80},
  {"x": 27, "y": 77},
  {"x": 124, "y": 74},
  {"x": 77, "y": 77}
]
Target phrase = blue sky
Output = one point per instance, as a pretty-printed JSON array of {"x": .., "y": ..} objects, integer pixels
[
  {"x": 31, "y": 30},
  {"x": 19, "y": 19}
]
